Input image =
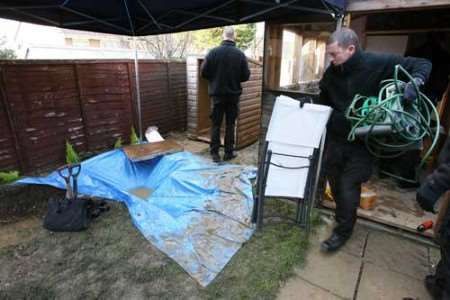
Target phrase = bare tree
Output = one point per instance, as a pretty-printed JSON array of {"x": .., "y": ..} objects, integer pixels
[
  {"x": 166, "y": 46},
  {"x": 256, "y": 48},
  {"x": 6, "y": 53}
]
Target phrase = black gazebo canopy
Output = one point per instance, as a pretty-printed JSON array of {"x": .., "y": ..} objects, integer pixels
[{"x": 147, "y": 17}]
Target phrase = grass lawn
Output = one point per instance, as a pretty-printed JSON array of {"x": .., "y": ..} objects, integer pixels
[{"x": 112, "y": 260}]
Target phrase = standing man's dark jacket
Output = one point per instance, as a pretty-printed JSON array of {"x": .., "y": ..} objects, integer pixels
[
  {"x": 438, "y": 182},
  {"x": 428, "y": 194},
  {"x": 362, "y": 74},
  {"x": 225, "y": 67}
]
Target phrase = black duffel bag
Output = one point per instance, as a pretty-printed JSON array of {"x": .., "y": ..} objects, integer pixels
[{"x": 64, "y": 215}]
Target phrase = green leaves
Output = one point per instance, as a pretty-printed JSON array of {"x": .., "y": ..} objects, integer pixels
[
  {"x": 133, "y": 137},
  {"x": 210, "y": 38},
  {"x": 7, "y": 54},
  {"x": 71, "y": 155},
  {"x": 118, "y": 143},
  {"x": 7, "y": 177}
]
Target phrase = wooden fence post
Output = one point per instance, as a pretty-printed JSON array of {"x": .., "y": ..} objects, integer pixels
[
  {"x": 11, "y": 123},
  {"x": 80, "y": 102},
  {"x": 171, "y": 99}
]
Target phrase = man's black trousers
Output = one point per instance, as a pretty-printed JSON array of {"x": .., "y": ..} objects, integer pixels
[
  {"x": 443, "y": 267},
  {"x": 228, "y": 106},
  {"x": 346, "y": 167}
]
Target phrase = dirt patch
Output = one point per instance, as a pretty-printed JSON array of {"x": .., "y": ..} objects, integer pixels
[
  {"x": 246, "y": 156},
  {"x": 20, "y": 201},
  {"x": 141, "y": 192},
  {"x": 19, "y": 232}
]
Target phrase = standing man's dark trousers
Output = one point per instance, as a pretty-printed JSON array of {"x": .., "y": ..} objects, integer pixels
[
  {"x": 442, "y": 277},
  {"x": 228, "y": 106},
  {"x": 347, "y": 166}
]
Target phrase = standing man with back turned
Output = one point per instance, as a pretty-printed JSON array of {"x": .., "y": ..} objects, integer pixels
[
  {"x": 348, "y": 164},
  {"x": 225, "y": 67}
]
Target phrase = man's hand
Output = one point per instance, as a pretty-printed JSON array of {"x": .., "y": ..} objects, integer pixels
[
  {"x": 410, "y": 93},
  {"x": 427, "y": 197}
]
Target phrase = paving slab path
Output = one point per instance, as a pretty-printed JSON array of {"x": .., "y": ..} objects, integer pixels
[{"x": 372, "y": 265}]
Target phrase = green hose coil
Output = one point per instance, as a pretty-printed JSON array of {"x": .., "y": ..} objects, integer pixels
[{"x": 409, "y": 122}]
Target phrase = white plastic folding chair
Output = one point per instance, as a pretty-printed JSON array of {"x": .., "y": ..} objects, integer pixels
[{"x": 290, "y": 165}]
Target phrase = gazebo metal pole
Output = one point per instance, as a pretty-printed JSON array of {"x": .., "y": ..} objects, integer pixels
[
  {"x": 136, "y": 71},
  {"x": 138, "y": 90}
]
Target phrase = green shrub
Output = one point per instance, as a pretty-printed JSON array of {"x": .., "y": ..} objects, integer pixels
[
  {"x": 71, "y": 155},
  {"x": 7, "y": 177},
  {"x": 118, "y": 143},
  {"x": 133, "y": 137}
]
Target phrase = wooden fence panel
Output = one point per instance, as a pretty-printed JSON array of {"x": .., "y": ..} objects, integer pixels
[
  {"x": 44, "y": 105},
  {"x": 105, "y": 102},
  {"x": 163, "y": 94},
  {"x": 88, "y": 103},
  {"x": 9, "y": 159},
  {"x": 178, "y": 92}
]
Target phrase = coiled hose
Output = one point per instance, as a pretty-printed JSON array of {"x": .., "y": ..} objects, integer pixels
[{"x": 408, "y": 122}]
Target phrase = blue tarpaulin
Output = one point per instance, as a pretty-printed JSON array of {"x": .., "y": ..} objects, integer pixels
[{"x": 196, "y": 212}]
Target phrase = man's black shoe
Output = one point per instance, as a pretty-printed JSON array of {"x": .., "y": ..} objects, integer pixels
[
  {"x": 333, "y": 243},
  {"x": 432, "y": 287},
  {"x": 215, "y": 157},
  {"x": 229, "y": 156}
]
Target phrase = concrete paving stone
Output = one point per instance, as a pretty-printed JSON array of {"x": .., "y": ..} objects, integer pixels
[
  {"x": 337, "y": 273},
  {"x": 355, "y": 245},
  {"x": 379, "y": 283},
  {"x": 397, "y": 254},
  {"x": 297, "y": 288}
]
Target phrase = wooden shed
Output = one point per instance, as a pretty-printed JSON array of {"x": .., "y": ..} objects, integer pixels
[
  {"x": 198, "y": 105},
  {"x": 295, "y": 60}
]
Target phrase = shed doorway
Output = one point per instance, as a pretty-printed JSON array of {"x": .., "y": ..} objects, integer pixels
[{"x": 199, "y": 105}]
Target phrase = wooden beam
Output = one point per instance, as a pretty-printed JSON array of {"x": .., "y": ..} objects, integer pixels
[
  {"x": 81, "y": 105},
  {"x": 359, "y": 26},
  {"x": 405, "y": 31},
  {"x": 273, "y": 57},
  {"x": 380, "y": 5},
  {"x": 347, "y": 20}
]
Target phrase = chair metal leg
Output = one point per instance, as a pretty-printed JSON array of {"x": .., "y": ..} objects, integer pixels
[
  {"x": 262, "y": 188},
  {"x": 305, "y": 205}
]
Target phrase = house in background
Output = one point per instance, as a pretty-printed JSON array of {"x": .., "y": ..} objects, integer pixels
[{"x": 58, "y": 43}]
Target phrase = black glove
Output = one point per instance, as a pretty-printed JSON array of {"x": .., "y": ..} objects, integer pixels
[
  {"x": 427, "y": 197},
  {"x": 410, "y": 93}
]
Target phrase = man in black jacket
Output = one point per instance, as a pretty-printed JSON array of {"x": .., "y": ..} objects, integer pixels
[
  {"x": 225, "y": 67},
  {"x": 348, "y": 164},
  {"x": 429, "y": 192}
]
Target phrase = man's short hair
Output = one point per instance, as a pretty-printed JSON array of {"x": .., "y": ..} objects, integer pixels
[
  {"x": 344, "y": 37},
  {"x": 228, "y": 33}
]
